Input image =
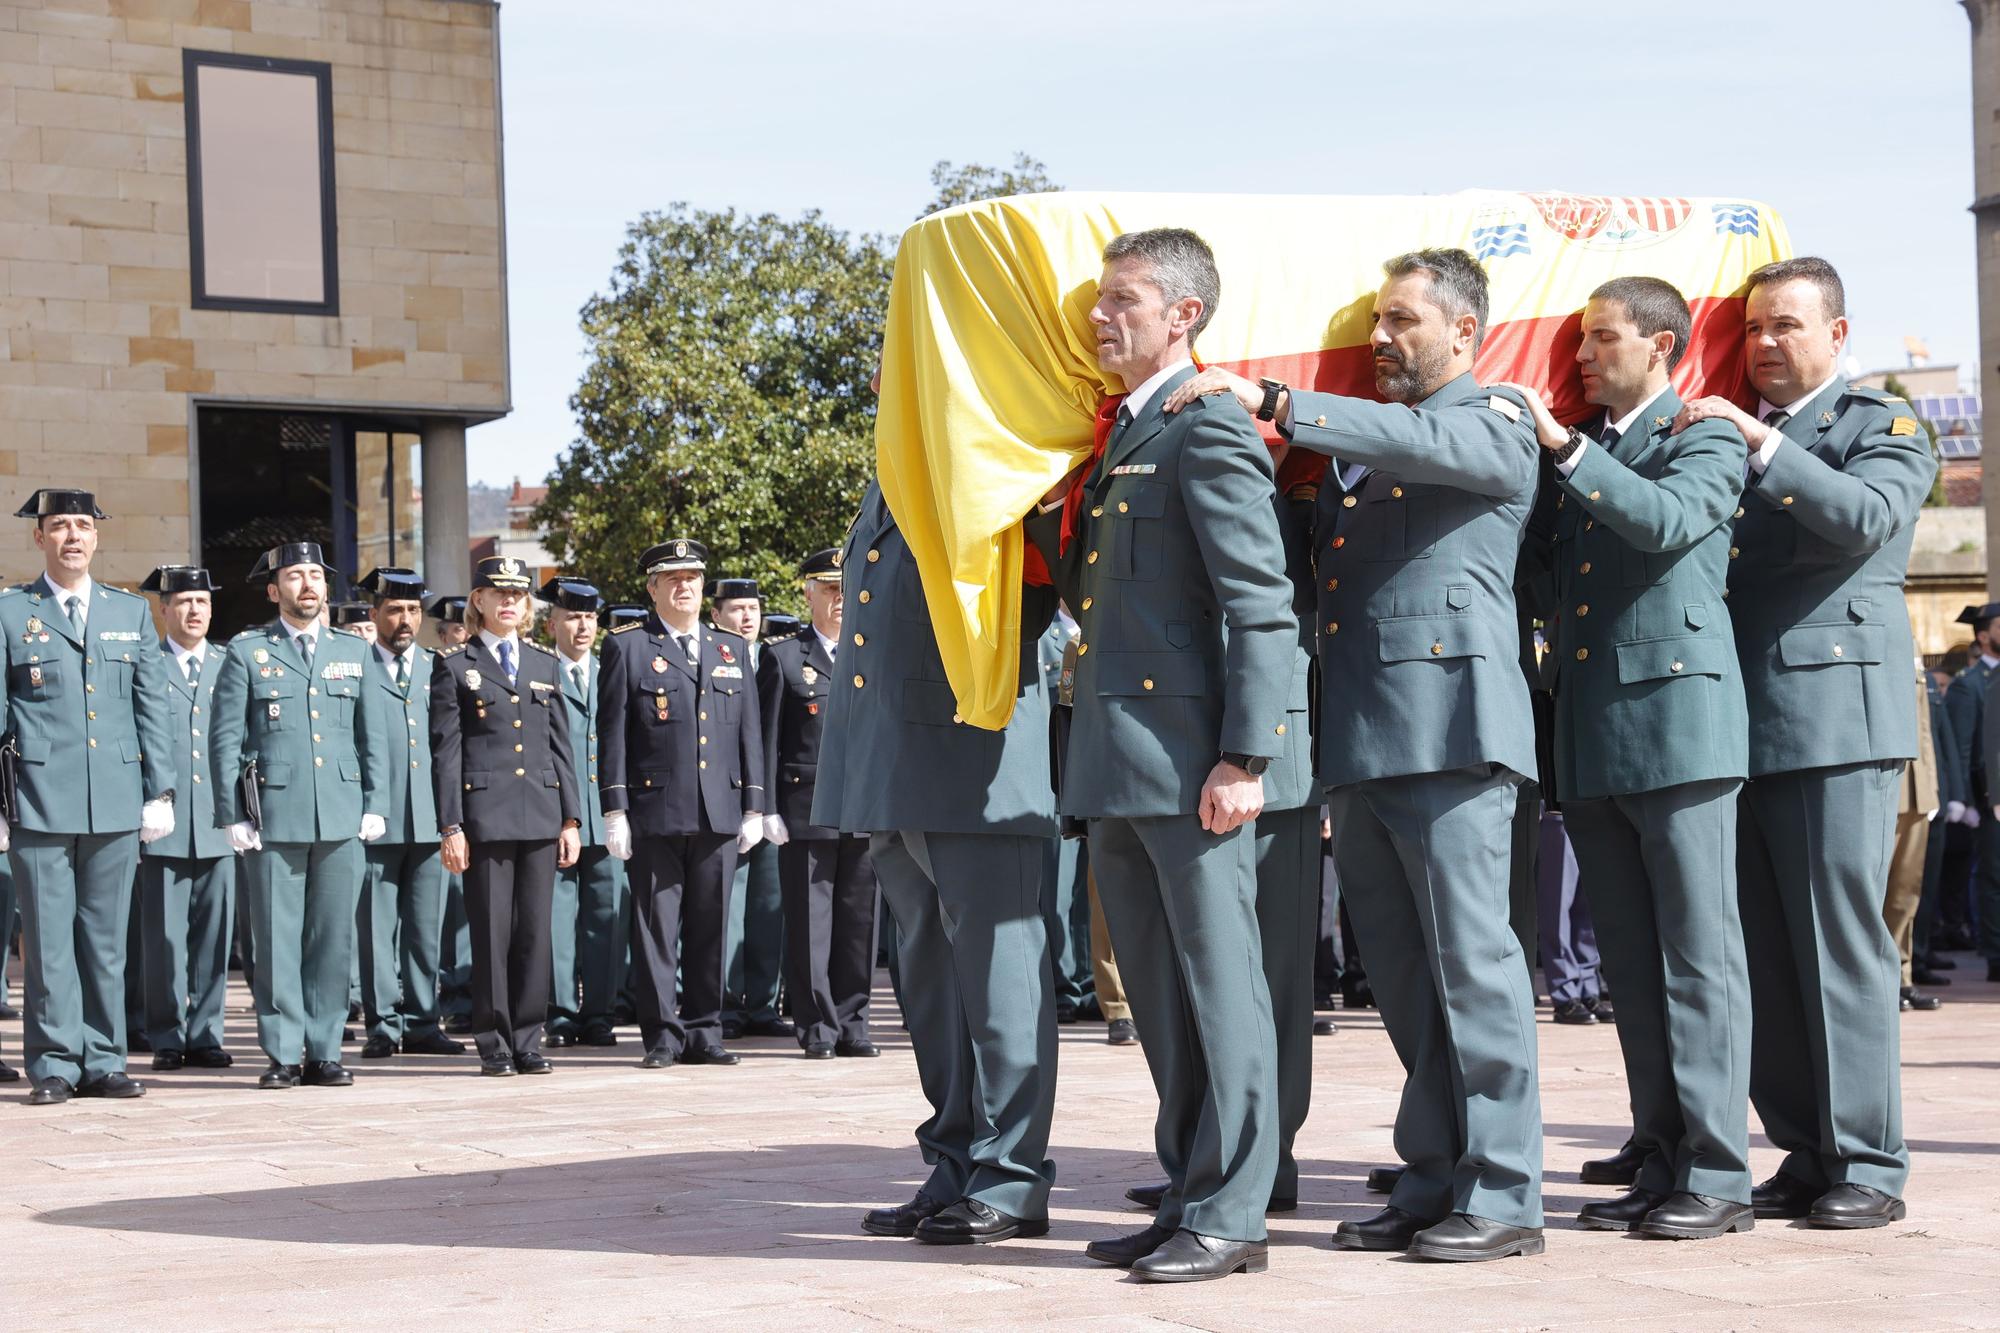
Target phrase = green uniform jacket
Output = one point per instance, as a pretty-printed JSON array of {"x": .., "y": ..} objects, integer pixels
[
  {"x": 1816, "y": 584},
  {"x": 582, "y": 715},
  {"x": 1647, "y": 693},
  {"x": 406, "y": 750},
  {"x": 1965, "y": 706},
  {"x": 1177, "y": 579},
  {"x": 1289, "y": 783},
  {"x": 893, "y": 754},
  {"x": 319, "y": 739},
  {"x": 1419, "y": 637},
  {"x": 190, "y": 717},
  {"x": 90, "y": 714}
]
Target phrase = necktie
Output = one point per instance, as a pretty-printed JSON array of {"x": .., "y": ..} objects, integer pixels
[
  {"x": 188, "y": 666},
  {"x": 831, "y": 646},
  {"x": 306, "y": 649},
  {"x": 1777, "y": 420},
  {"x": 1610, "y": 440},
  {"x": 507, "y": 659},
  {"x": 691, "y": 649},
  {"x": 74, "y": 606},
  {"x": 576, "y": 673},
  {"x": 403, "y": 672}
]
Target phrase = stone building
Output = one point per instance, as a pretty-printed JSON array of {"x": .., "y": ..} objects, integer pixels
[{"x": 252, "y": 276}]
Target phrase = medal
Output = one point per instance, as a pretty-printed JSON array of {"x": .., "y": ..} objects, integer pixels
[
  {"x": 813, "y": 708},
  {"x": 659, "y": 665},
  {"x": 44, "y": 638},
  {"x": 810, "y": 676},
  {"x": 265, "y": 672},
  {"x": 260, "y": 656},
  {"x": 727, "y": 656},
  {"x": 35, "y": 676},
  {"x": 34, "y": 625},
  {"x": 472, "y": 678},
  {"x": 271, "y": 710},
  {"x": 663, "y": 715}
]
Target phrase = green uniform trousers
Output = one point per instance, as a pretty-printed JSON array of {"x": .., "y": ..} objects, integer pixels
[
  {"x": 1659, "y": 868},
  {"x": 588, "y": 942},
  {"x": 187, "y": 904},
  {"x": 1288, "y": 875},
  {"x": 299, "y": 898},
  {"x": 75, "y": 894},
  {"x": 1825, "y": 1044},
  {"x": 401, "y": 933},
  {"x": 978, "y": 1004},
  {"x": 1181, "y": 904},
  {"x": 1423, "y": 864},
  {"x": 756, "y": 939}
]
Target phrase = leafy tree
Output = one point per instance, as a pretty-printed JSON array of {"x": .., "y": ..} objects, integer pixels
[{"x": 966, "y": 184}]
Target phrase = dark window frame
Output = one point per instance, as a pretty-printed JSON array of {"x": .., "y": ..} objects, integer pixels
[{"x": 321, "y": 71}]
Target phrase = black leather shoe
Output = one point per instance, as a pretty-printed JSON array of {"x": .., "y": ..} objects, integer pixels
[
  {"x": 9, "y": 1074},
  {"x": 1575, "y": 1012},
  {"x": 561, "y": 1039},
  {"x": 1124, "y": 1251},
  {"x": 1688, "y": 1216},
  {"x": 1148, "y": 1196},
  {"x": 1390, "y": 1229},
  {"x": 1912, "y": 998},
  {"x": 8, "y": 1011},
  {"x": 1324, "y": 1027},
  {"x": 118, "y": 1086},
  {"x": 1383, "y": 1179},
  {"x": 324, "y": 1074},
  {"x": 767, "y": 1027},
  {"x": 1621, "y": 1168},
  {"x": 970, "y": 1222},
  {"x": 1601, "y": 1006},
  {"x": 709, "y": 1055},
  {"x": 1993, "y": 969},
  {"x": 1357, "y": 995},
  {"x": 348, "y": 1036},
  {"x": 1623, "y": 1213},
  {"x": 599, "y": 1036},
  {"x": 1854, "y": 1208},
  {"x": 1122, "y": 1032},
  {"x": 903, "y": 1220},
  {"x": 457, "y": 1023},
  {"x": 861, "y": 1048},
  {"x": 379, "y": 1047},
  {"x": 500, "y": 1066},
  {"x": 50, "y": 1091},
  {"x": 432, "y": 1043},
  {"x": 658, "y": 1057},
  {"x": 732, "y": 1029},
  {"x": 1783, "y": 1196},
  {"x": 279, "y": 1077},
  {"x": 1188, "y": 1256},
  {"x": 166, "y": 1062},
  {"x": 534, "y": 1062},
  {"x": 819, "y": 1050},
  {"x": 135, "y": 1040},
  {"x": 210, "y": 1057},
  {"x": 1463, "y": 1238}
]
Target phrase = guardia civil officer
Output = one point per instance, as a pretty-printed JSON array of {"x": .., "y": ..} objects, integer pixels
[
  {"x": 297, "y": 761},
  {"x": 1427, "y": 736},
  {"x": 187, "y": 880},
  {"x": 590, "y": 903},
  {"x": 1651, "y": 745},
  {"x": 683, "y": 788},
  {"x": 401, "y": 919},
  {"x": 827, "y": 878},
  {"x": 756, "y": 942},
  {"x": 1837, "y": 476},
  {"x": 83, "y": 694},
  {"x": 1965, "y": 704},
  {"x": 507, "y": 808}
]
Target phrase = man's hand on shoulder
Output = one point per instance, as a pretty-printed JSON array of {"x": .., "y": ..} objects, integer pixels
[{"x": 1215, "y": 380}]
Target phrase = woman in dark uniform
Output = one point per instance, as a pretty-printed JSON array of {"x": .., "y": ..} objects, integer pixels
[{"x": 507, "y": 806}]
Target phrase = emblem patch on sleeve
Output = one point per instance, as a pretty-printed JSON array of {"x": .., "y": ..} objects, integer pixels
[
  {"x": 1903, "y": 426},
  {"x": 1504, "y": 408}
]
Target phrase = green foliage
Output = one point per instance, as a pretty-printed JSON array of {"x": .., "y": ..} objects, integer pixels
[
  {"x": 1936, "y": 499},
  {"x": 957, "y": 185}
]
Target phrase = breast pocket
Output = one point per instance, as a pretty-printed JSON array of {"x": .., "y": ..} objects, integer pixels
[
  {"x": 277, "y": 707},
  {"x": 727, "y": 701},
  {"x": 36, "y": 680},
  {"x": 115, "y": 676},
  {"x": 341, "y": 699},
  {"x": 1137, "y": 514},
  {"x": 1401, "y": 520}
]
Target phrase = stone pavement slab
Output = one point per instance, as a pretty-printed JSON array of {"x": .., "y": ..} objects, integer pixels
[{"x": 611, "y": 1197}]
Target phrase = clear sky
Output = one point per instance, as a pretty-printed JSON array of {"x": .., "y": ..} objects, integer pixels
[{"x": 1851, "y": 117}]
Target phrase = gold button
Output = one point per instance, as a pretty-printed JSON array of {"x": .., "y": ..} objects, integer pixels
[
  {"x": 91, "y": 715},
  {"x": 1838, "y": 651},
  {"x": 1589, "y": 523},
  {"x": 1332, "y": 585},
  {"x": 195, "y": 755},
  {"x": 517, "y": 747},
  {"x": 649, "y": 782},
  {"x": 1147, "y": 682},
  {"x": 1595, "y": 494},
  {"x": 956, "y": 718},
  {"x": 312, "y": 689},
  {"x": 704, "y": 740},
  {"x": 1583, "y": 654},
  {"x": 520, "y": 772},
  {"x": 866, "y": 596},
  {"x": 1097, "y": 511},
  {"x": 1124, "y": 508},
  {"x": 1319, "y": 421},
  {"x": 513, "y": 698},
  {"x": 413, "y": 742},
  {"x": 1788, "y": 499},
  {"x": 1090, "y": 559},
  {"x": 1396, "y": 491},
  {"x": 1734, "y": 552},
  {"x": 1349, "y": 502},
  {"x": 413, "y": 764},
  {"x": 873, "y": 556},
  {"x": 1583, "y": 568},
  {"x": 197, "y": 777},
  {"x": 1583, "y": 608},
  {"x": 1739, "y": 511},
  {"x": 1437, "y": 649},
  {"x": 859, "y": 681},
  {"x": 315, "y": 713},
  {"x": 315, "y": 738},
  {"x": 318, "y": 762},
  {"x": 1082, "y": 648},
  {"x": 93, "y": 742},
  {"x": 1087, "y": 601},
  {"x": 468, "y": 786},
  {"x": 1675, "y": 668},
  {"x": 704, "y": 715},
  {"x": 859, "y": 641},
  {"x": 90, "y": 689},
  {"x": 1281, "y": 728},
  {"x": 517, "y": 724},
  {"x": 1333, "y": 627},
  {"x": 702, "y": 764}
]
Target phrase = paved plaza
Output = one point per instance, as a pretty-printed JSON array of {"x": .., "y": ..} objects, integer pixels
[{"x": 610, "y": 1197}]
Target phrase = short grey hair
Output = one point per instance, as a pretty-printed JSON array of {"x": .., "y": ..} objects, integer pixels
[
  {"x": 1182, "y": 265},
  {"x": 1457, "y": 283}
]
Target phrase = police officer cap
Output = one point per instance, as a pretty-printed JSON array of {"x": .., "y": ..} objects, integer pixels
[
  {"x": 1979, "y": 615},
  {"x": 170, "y": 579},
  {"x": 52, "y": 500},
  {"x": 625, "y": 613},
  {"x": 680, "y": 553},
  {"x": 571, "y": 594},
  {"x": 778, "y": 625},
  {"x": 821, "y": 565},
  {"x": 284, "y": 557},
  {"x": 350, "y": 613},
  {"x": 502, "y": 571},
  {"x": 722, "y": 590},
  {"x": 451, "y": 607},
  {"x": 390, "y": 584}
]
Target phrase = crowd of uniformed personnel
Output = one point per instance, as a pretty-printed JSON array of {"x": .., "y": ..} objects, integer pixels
[{"x": 1232, "y": 655}]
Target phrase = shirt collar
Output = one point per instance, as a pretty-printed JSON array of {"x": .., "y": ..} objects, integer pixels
[
  {"x": 493, "y": 641},
  {"x": 390, "y": 657},
  {"x": 1765, "y": 407},
  {"x": 182, "y": 654},
  {"x": 85, "y": 590},
  {"x": 1991, "y": 662},
  {"x": 315, "y": 629},
  {"x": 824, "y": 642},
  {"x": 1135, "y": 401},
  {"x": 1624, "y": 423},
  {"x": 571, "y": 662}
]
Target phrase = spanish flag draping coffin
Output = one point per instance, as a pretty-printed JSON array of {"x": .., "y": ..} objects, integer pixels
[{"x": 990, "y": 384}]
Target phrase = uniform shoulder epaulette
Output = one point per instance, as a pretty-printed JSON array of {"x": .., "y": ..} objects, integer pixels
[
  {"x": 254, "y": 632},
  {"x": 1873, "y": 394},
  {"x": 628, "y": 627},
  {"x": 348, "y": 631},
  {"x": 123, "y": 592},
  {"x": 452, "y": 651},
  {"x": 12, "y": 589},
  {"x": 545, "y": 652}
]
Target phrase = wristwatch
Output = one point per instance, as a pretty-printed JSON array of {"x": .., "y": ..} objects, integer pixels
[
  {"x": 1253, "y": 764},
  {"x": 1269, "y": 407},
  {"x": 1569, "y": 447},
  {"x": 447, "y": 832}
]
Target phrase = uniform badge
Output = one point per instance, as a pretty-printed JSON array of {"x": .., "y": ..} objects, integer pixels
[
  {"x": 813, "y": 707},
  {"x": 1661, "y": 423},
  {"x": 265, "y": 672},
  {"x": 34, "y": 625},
  {"x": 727, "y": 656},
  {"x": 659, "y": 665},
  {"x": 472, "y": 678},
  {"x": 35, "y": 676},
  {"x": 1826, "y": 418},
  {"x": 260, "y": 656},
  {"x": 271, "y": 710},
  {"x": 1504, "y": 407},
  {"x": 680, "y": 550},
  {"x": 43, "y": 637},
  {"x": 1900, "y": 426},
  {"x": 810, "y": 676}
]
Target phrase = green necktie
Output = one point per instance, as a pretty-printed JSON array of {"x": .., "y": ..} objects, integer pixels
[
  {"x": 403, "y": 672},
  {"x": 74, "y": 605}
]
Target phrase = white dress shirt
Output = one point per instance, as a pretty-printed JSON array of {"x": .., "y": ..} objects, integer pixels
[
  {"x": 82, "y": 592},
  {"x": 1760, "y": 458},
  {"x": 1621, "y": 426}
]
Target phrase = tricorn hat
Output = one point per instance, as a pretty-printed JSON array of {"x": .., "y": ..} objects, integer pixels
[
  {"x": 449, "y": 607},
  {"x": 350, "y": 613},
  {"x": 1979, "y": 615},
  {"x": 571, "y": 594},
  {"x": 778, "y": 625},
  {"x": 284, "y": 557},
  {"x": 387, "y": 583},
  {"x": 52, "y": 500},
  {"x": 170, "y": 579},
  {"x": 722, "y": 590},
  {"x": 625, "y": 613}
]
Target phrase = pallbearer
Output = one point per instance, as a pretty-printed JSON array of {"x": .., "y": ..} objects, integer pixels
[{"x": 507, "y": 808}]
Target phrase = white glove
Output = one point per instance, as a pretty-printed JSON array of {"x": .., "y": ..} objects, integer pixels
[
  {"x": 752, "y": 834},
  {"x": 618, "y": 835},
  {"x": 373, "y": 827},
  {"x": 6, "y": 835},
  {"x": 244, "y": 838},
  {"x": 1971, "y": 817},
  {"x": 156, "y": 819},
  {"x": 774, "y": 831},
  {"x": 1954, "y": 811}
]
